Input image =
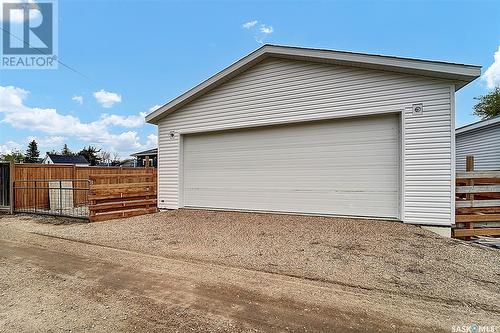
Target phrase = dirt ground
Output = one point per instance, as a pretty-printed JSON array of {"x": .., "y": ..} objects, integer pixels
[{"x": 206, "y": 271}]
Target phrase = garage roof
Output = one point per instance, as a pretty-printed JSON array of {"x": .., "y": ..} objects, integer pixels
[
  {"x": 478, "y": 125},
  {"x": 461, "y": 74}
]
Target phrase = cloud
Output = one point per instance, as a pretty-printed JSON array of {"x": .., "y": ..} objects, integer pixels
[
  {"x": 78, "y": 99},
  {"x": 266, "y": 29},
  {"x": 492, "y": 74},
  {"x": 9, "y": 147},
  {"x": 127, "y": 140},
  {"x": 152, "y": 141},
  {"x": 56, "y": 126},
  {"x": 47, "y": 143},
  {"x": 249, "y": 24},
  {"x": 107, "y": 99},
  {"x": 124, "y": 121},
  {"x": 260, "y": 32}
]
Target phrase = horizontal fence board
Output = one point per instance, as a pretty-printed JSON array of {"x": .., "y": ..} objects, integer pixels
[
  {"x": 478, "y": 174},
  {"x": 478, "y": 181},
  {"x": 478, "y": 189},
  {"x": 122, "y": 204},
  {"x": 121, "y": 195},
  {"x": 478, "y": 218},
  {"x": 484, "y": 210},
  {"x": 122, "y": 185},
  {"x": 122, "y": 214},
  {"x": 487, "y": 196},
  {"x": 124, "y": 199},
  {"x": 118, "y": 190},
  {"x": 476, "y": 232},
  {"x": 120, "y": 209},
  {"x": 477, "y": 203},
  {"x": 122, "y": 176}
]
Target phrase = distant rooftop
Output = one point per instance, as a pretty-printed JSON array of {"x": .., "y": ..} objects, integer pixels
[
  {"x": 153, "y": 151},
  {"x": 477, "y": 125},
  {"x": 63, "y": 159}
]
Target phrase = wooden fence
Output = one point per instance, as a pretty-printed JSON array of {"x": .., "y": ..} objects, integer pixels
[
  {"x": 29, "y": 194},
  {"x": 116, "y": 196},
  {"x": 477, "y": 203}
]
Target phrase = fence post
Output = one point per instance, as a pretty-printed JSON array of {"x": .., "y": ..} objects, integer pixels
[
  {"x": 60, "y": 197},
  {"x": 469, "y": 163},
  {"x": 74, "y": 184},
  {"x": 36, "y": 197},
  {"x": 469, "y": 167},
  {"x": 12, "y": 201}
]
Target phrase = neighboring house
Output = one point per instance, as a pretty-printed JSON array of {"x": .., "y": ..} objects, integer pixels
[
  {"x": 289, "y": 129},
  {"x": 150, "y": 155},
  {"x": 63, "y": 159},
  {"x": 129, "y": 162},
  {"x": 481, "y": 140}
]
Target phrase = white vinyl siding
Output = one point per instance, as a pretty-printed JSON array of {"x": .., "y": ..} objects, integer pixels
[
  {"x": 342, "y": 167},
  {"x": 484, "y": 144},
  {"x": 428, "y": 164},
  {"x": 279, "y": 91},
  {"x": 168, "y": 169}
]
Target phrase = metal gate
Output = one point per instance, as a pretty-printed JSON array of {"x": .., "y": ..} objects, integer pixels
[
  {"x": 59, "y": 197},
  {"x": 4, "y": 186}
]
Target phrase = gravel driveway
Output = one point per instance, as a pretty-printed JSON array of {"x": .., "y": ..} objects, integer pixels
[{"x": 388, "y": 274}]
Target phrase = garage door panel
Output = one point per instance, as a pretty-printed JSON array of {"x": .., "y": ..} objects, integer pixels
[
  {"x": 346, "y": 167},
  {"x": 344, "y": 206},
  {"x": 342, "y": 203}
]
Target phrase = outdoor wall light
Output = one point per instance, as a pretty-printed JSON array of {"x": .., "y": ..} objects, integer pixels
[{"x": 418, "y": 108}]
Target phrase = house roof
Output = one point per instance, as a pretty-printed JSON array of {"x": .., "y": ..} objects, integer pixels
[
  {"x": 461, "y": 74},
  {"x": 62, "y": 159},
  {"x": 153, "y": 151},
  {"x": 478, "y": 125},
  {"x": 128, "y": 161}
]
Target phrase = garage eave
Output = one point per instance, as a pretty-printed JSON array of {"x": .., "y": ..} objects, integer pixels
[{"x": 459, "y": 74}]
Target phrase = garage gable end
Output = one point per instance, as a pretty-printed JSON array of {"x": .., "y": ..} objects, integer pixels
[
  {"x": 459, "y": 74},
  {"x": 276, "y": 91}
]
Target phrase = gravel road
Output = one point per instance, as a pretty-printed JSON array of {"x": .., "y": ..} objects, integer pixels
[{"x": 194, "y": 270}]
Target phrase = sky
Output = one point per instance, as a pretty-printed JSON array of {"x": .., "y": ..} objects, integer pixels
[{"x": 127, "y": 57}]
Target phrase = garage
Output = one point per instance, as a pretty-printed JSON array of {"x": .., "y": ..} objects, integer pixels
[
  {"x": 341, "y": 167},
  {"x": 313, "y": 131}
]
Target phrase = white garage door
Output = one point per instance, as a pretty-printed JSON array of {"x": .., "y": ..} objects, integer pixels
[{"x": 342, "y": 167}]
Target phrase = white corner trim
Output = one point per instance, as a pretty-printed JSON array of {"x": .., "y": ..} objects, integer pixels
[{"x": 453, "y": 152}]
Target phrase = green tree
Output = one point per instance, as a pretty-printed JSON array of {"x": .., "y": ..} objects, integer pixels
[
  {"x": 32, "y": 153},
  {"x": 66, "y": 151},
  {"x": 15, "y": 156},
  {"x": 91, "y": 154},
  {"x": 488, "y": 106}
]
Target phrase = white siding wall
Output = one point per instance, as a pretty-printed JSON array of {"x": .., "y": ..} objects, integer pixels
[
  {"x": 168, "y": 169},
  {"x": 282, "y": 91},
  {"x": 484, "y": 144}
]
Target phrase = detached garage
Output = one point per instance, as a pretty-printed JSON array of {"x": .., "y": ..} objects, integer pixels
[{"x": 317, "y": 132}]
